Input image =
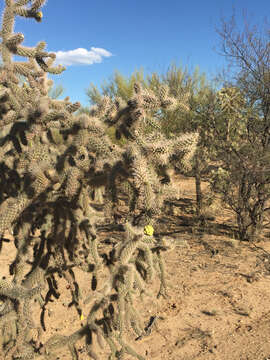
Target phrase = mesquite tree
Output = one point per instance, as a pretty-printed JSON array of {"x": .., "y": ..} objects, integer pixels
[
  {"x": 243, "y": 178},
  {"x": 241, "y": 123}
]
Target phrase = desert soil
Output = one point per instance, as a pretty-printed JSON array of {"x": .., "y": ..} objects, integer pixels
[{"x": 218, "y": 297}]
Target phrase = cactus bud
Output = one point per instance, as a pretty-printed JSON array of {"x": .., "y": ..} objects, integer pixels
[{"x": 39, "y": 16}]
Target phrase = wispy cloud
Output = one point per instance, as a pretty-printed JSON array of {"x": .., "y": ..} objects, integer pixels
[{"x": 81, "y": 56}]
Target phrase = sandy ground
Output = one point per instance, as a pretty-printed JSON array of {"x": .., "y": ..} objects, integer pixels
[{"x": 218, "y": 304}]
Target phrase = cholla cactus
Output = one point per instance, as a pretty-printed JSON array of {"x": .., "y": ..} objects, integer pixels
[
  {"x": 231, "y": 102},
  {"x": 52, "y": 163}
]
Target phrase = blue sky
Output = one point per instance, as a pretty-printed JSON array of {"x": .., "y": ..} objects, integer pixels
[{"x": 93, "y": 38}]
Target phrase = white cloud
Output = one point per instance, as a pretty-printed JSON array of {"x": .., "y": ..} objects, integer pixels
[{"x": 81, "y": 56}]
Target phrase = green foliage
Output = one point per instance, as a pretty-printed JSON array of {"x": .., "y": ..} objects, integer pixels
[
  {"x": 117, "y": 86},
  {"x": 188, "y": 89}
]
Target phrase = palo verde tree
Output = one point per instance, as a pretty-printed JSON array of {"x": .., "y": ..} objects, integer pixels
[
  {"x": 193, "y": 92},
  {"x": 119, "y": 88},
  {"x": 179, "y": 83},
  {"x": 198, "y": 93},
  {"x": 51, "y": 164}
]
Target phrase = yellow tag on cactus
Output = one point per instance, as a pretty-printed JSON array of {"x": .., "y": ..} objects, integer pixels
[
  {"x": 149, "y": 230},
  {"x": 82, "y": 317}
]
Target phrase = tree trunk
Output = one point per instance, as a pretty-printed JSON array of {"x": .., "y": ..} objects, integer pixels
[
  {"x": 199, "y": 195},
  {"x": 257, "y": 220},
  {"x": 243, "y": 224}
]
